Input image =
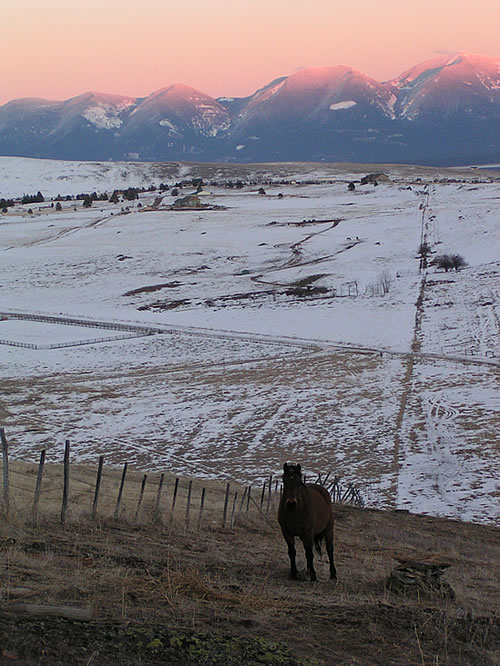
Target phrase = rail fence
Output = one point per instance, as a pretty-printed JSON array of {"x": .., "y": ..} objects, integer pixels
[
  {"x": 75, "y": 343},
  {"x": 89, "y": 323},
  {"x": 70, "y": 492},
  {"x": 133, "y": 331}
]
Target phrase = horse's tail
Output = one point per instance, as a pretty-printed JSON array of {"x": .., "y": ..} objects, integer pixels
[{"x": 317, "y": 542}]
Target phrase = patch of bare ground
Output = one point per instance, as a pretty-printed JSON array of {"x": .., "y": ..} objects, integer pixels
[{"x": 158, "y": 592}]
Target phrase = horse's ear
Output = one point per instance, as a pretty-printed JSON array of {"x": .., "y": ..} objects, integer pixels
[
  {"x": 298, "y": 467},
  {"x": 285, "y": 467}
]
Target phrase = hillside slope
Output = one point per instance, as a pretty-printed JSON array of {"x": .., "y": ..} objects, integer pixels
[{"x": 159, "y": 593}]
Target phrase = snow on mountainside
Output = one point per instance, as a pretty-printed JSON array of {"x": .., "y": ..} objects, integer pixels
[
  {"x": 101, "y": 110},
  {"x": 177, "y": 106},
  {"x": 463, "y": 81},
  {"x": 311, "y": 91}
]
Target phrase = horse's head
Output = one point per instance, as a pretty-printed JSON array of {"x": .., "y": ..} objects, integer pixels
[{"x": 292, "y": 482}]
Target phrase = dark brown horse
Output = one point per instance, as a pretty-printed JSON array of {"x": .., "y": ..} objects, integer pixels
[{"x": 305, "y": 511}]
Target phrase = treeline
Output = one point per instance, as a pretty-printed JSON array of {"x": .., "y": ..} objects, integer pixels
[
  {"x": 33, "y": 198},
  {"x": 6, "y": 203}
]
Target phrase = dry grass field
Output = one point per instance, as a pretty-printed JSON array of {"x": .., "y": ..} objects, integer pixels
[{"x": 158, "y": 590}]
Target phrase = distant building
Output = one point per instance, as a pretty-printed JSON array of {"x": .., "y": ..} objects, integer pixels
[
  {"x": 374, "y": 178},
  {"x": 191, "y": 201}
]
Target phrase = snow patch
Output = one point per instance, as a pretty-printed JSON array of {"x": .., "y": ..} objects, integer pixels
[
  {"x": 342, "y": 105},
  {"x": 103, "y": 116},
  {"x": 166, "y": 123}
]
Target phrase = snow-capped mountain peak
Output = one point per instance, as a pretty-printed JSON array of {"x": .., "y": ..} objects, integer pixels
[
  {"x": 443, "y": 110},
  {"x": 462, "y": 81}
]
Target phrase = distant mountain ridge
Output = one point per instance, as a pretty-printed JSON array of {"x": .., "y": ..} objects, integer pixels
[{"x": 443, "y": 111}]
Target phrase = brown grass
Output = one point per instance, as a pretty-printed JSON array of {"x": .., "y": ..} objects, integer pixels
[{"x": 235, "y": 581}]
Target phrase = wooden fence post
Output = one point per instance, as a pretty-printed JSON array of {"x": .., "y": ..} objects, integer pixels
[
  {"x": 174, "y": 498},
  {"x": 226, "y": 500},
  {"x": 64, "y": 506},
  {"x": 248, "y": 497},
  {"x": 97, "y": 486},
  {"x": 269, "y": 493},
  {"x": 141, "y": 495},
  {"x": 263, "y": 495},
  {"x": 242, "y": 500},
  {"x": 188, "y": 501},
  {"x": 156, "y": 510},
  {"x": 233, "y": 509},
  {"x": 5, "y": 460},
  {"x": 120, "y": 492},
  {"x": 38, "y": 486},
  {"x": 202, "y": 504}
]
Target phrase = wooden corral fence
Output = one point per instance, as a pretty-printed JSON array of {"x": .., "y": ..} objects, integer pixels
[{"x": 72, "y": 491}]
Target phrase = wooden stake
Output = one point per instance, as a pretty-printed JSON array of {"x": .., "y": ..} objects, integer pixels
[
  {"x": 243, "y": 500},
  {"x": 248, "y": 497},
  {"x": 156, "y": 511},
  {"x": 233, "y": 509},
  {"x": 226, "y": 500},
  {"x": 5, "y": 460},
  {"x": 120, "y": 492},
  {"x": 141, "y": 495},
  {"x": 202, "y": 504},
  {"x": 263, "y": 495},
  {"x": 188, "y": 501},
  {"x": 270, "y": 490},
  {"x": 64, "y": 506},
  {"x": 38, "y": 486},
  {"x": 97, "y": 486},
  {"x": 174, "y": 498}
]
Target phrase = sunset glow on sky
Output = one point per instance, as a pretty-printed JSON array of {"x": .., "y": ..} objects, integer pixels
[{"x": 57, "y": 49}]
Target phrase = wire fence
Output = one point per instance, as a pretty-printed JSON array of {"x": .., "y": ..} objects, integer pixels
[{"x": 73, "y": 491}]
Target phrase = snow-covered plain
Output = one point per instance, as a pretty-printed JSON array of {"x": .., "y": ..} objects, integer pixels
[{"x": 396, "y": 391}]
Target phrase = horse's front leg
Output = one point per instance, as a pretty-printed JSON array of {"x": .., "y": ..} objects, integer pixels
[
  {"x": 290, "y": 540},
  {"x": 308, "y": 547}
]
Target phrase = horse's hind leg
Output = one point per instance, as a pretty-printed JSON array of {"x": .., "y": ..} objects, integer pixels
[
  {"x": 308, "y": 547},
  {"x": 290, "y": 540},
  {"x": 329, "y": 548}
]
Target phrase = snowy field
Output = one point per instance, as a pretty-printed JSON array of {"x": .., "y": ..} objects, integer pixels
[{"x": 292, "y": 325}]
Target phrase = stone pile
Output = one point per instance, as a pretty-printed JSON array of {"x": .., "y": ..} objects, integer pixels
[{"x": 420, "y": 576}]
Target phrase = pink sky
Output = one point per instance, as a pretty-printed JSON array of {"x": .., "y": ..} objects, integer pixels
[{"x": 57, "y": 49}]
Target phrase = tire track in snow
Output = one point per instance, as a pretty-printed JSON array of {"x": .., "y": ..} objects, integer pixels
[{"x": 68, "y": 232}]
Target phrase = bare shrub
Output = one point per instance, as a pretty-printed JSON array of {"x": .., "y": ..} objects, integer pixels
[
  {"x": 385, "y": 281},
  {"x": 449, "y": 262}
]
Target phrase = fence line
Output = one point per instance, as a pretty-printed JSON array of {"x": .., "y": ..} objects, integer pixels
[
  {"x": 88, "y": 323},
  {"x": 76, "y": 343},
  {"x": 140, "y": 497}
]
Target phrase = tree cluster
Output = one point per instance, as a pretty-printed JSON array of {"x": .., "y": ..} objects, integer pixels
[
  {"x": 131, "y": 193},
  {"x": 93, "y": 196},
  {"x": 33, "y": 198},
  {"x": 449, "y": 262}
]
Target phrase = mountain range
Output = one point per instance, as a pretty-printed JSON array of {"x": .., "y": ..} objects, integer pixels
[{"x": 444, "y": 111}]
